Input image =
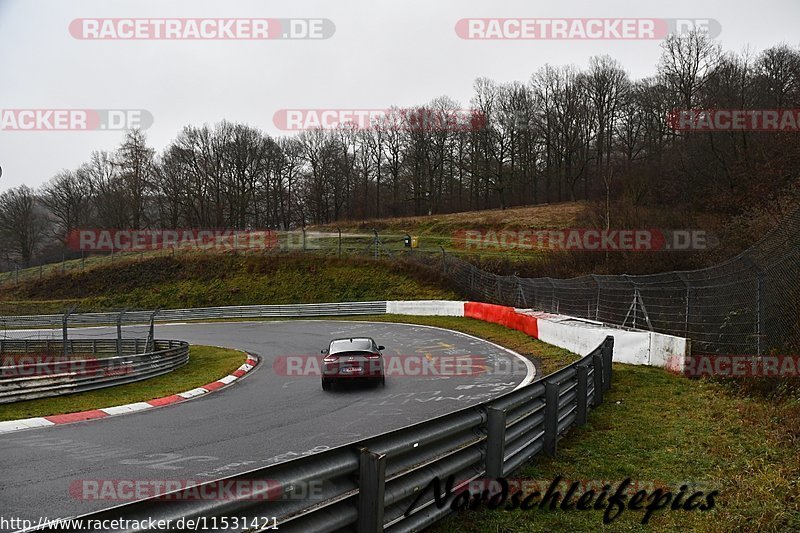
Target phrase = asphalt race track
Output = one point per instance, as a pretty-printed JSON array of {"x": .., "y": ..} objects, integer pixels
[{"x": 264, "y": 418}]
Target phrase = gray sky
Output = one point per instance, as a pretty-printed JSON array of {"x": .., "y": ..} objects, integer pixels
[{"x": 382, "y": 53}]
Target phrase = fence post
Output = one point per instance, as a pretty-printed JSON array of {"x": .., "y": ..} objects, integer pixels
[
  {"x": 759, "y": 326},
  {"x": 597, "y": 374},
  {"x": 550, "y": 418},
  {"x": 64, "y": 345},
  {"x": 688, "y": 308},
  {"x": 151, "y": 334},
  {"x": 583, "y": 388},
  {"x": 340, "y": 240},
  {"x": 471, "y": 280},
  {"x": 553, "y": 306},
  {"x": 444, "y": 260},
  {"x": 521, "y": 292},
  {"x": 759, "y": 310},
  {"x": 371, "y": 487},
  {"x": 64, "y": 322},
  {"x": 597, "y": 301},
  {"x": 495, "y": 442},
  {"x": 119, "y": 332}
]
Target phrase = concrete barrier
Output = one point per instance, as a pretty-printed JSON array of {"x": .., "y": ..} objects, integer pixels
[
  {"x": 577, "y": 335},
  {"x": 425, "y": 307}
]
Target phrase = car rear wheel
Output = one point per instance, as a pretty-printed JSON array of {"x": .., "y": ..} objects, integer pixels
[{"x": 327, "y": 384}]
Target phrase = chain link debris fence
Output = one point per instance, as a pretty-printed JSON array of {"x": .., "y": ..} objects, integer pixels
[{"x": 749, "y": 304}]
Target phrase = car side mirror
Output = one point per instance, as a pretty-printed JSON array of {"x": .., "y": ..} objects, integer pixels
[
  {"x": 323, "y": 351},
  {"x": 381, "y": 348}
]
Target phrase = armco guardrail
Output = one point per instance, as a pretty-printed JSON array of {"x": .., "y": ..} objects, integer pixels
[
  {"x": 204, "y": 313},
  {"x": 368, "y": 486},
  {"x": 96, "y": 366}
]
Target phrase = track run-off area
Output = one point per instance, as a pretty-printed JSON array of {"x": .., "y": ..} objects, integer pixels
[{"x": 269, "y": 416}]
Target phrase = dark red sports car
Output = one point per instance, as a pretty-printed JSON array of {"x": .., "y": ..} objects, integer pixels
[{"x": 353, "y": 359}]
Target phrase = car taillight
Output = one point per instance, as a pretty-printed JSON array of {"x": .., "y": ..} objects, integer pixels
[{"x": 373, "y": 356}]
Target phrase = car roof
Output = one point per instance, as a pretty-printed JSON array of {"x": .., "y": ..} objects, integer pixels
[{"x": 355, "y": 344}]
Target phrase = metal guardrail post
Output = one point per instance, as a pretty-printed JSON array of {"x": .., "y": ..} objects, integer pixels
[
  {"x": 495, "y": 442},
  {"x": 550, "y": 418},
  {"x": 582, "y": 399},
  {"x": 119, "y": 332},
  {"x": 151, "y": 334},
  {"x": 64, "y": 329},
  {"x": 371, "y": 490},
  {"x": 608, "y": 353},
  {"x": 597, "y": 365}
]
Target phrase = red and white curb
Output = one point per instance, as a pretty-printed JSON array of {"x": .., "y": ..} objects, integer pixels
[{"x": 46, "y": 421}]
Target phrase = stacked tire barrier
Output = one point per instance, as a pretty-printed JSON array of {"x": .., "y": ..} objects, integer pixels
[{"x": 41, "y": 370}]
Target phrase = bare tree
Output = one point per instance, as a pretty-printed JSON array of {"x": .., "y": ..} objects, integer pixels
[
  {"x": 22, "y": 223},
  {"x": 136, "y": 164},
  {"x": 68, "y": 198}
]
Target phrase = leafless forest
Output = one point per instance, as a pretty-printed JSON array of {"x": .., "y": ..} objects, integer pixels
[{"x": 566, "y": 133}]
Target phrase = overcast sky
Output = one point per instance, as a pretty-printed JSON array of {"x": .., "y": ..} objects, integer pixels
[{"x": 382, "y": 53}]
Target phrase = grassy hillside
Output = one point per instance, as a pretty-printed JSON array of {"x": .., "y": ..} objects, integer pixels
[
  {"x": 562, "y": 215},
  {"x": 222, "y": 279}
]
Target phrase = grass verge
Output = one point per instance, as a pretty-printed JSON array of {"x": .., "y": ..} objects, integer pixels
[
  {"x": 667, "y": 430},
  {"x": 218, "y": 280},
  {"x": 206, "y": 364}
]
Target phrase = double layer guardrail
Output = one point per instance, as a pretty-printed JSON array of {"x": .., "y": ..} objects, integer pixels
[
  {"x": 204, "y": 313},
  {"x": 42, "y": 371},
  {"x": 380, "y": 484}
]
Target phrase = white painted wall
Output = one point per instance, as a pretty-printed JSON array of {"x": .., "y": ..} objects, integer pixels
[
  {"x": 425, "y": 308},
  {"x": 576, "y": 334}
]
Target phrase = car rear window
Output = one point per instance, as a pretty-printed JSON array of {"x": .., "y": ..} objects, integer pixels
[{"x": 348, "y": 345}]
